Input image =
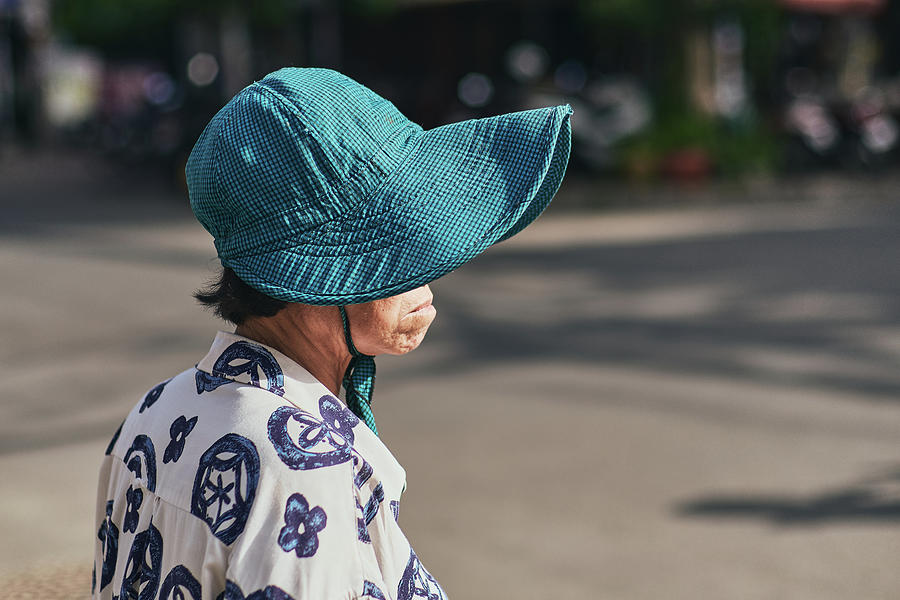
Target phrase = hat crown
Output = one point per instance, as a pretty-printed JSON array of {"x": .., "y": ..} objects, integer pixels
[{"x": 302, "y": 145}]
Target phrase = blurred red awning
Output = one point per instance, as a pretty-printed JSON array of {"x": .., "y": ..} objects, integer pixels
[{"x": 835, "y": 6}]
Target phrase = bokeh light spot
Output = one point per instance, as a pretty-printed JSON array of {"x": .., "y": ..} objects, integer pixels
[
  {"x": 475, "y": 90},
  {"x": 203, "y": 68}
]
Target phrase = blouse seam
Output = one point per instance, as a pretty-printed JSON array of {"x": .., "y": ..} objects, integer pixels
[{"x": 172, "y": 504}]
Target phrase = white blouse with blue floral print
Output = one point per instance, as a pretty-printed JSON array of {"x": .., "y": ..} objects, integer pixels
[{"x": 246, "y": 479}]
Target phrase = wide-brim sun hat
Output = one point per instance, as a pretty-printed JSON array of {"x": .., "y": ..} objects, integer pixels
[{"x": 317, "y": 190}]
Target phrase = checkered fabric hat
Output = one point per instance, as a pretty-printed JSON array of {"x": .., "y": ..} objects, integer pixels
[{"x": 319, "y": 191}]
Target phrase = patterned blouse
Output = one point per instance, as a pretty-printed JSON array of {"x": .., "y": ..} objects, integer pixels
[{"x": 246, "y": 479}]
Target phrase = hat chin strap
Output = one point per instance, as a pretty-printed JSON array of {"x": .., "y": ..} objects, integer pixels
[{"x": 359, "y": 379}]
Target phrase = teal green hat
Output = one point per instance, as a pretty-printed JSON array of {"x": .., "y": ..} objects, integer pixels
[{"x": 317, "y": 190}]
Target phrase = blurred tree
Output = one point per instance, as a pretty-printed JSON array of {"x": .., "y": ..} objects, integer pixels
[
  {"x": 664, "y": 25},
  {"x": 641, "y": 14},
  {"x": 115, "y": 26},
  {"x": 371, "y": 8},
  {"x": 670, "y": 32}
]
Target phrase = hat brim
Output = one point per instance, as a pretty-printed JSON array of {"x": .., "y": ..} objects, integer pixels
[{"x": 460, "y": 188}]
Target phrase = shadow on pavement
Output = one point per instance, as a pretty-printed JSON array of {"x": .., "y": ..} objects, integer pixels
[
  {"x": 814, "y": 309},
  {"x": 858, "y": 503}
]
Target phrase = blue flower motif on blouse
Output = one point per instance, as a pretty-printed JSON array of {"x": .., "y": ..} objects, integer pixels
[
  {"x": 115, "y": 438},
  {"x": 251, "y": 361},
  {"x": 142, "y": 571},
  {"x": 141, "y": 460},
  {"x": 395, "y": 510},
  {"x": 270, "y": 592},
  {"x": 152, "y": 396},
  {"x": 368, "y": 513},
  {"x": 178, "y": 431},
  {"x": 417, "y": 582},
  {"x": 374, "y": 502},
  {"x": 362, "y": 469},
  {"x": 180, "y": 584},
  {"x": 225, "y": 485},
  {"x": 209, "y": 383},
  {"x": 337, "y": 417},
  {"x": 134, "y": 497},
  {"x": 320, "y": 442},
  {"x": 362, "y": 532},
  {"x": 109, "y": 538},
  {"x": 370, "y": 590},
  {"x": 301, "y": 527}
]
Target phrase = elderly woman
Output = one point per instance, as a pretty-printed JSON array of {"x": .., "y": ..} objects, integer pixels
[{"x": 247, "y": 476}]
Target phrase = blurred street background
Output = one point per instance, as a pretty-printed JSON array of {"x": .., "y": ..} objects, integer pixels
[{"x": 683, "y": 381}]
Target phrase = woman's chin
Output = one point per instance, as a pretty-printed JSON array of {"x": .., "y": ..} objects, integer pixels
[{"x": 409, "y": 342}]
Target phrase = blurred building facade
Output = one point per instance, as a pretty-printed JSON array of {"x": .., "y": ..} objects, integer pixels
[{"x": 682, "y": 89}]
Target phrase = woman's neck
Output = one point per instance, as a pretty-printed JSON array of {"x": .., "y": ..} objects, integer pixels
[{"x": 311, "y": 336}]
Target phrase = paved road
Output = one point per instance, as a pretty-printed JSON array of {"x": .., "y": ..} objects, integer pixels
[{"x": 693, "y": 403}]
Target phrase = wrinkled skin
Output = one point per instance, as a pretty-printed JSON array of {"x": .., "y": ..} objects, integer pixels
[
  {"x": 394, "y": 325},
  {"x": 313, "y": 336}
]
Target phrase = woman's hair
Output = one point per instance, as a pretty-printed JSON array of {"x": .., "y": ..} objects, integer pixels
[{"x": 233, "y": 300}]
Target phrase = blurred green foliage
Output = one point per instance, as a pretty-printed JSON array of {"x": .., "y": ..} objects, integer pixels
[
  {"x": 646, "y": 15},
  {"x": 371, "y": 8},
  {"x": 663, "y": 24},
  {"x": 116, "y": 25},
  {"x": 733, "y": 147}
]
